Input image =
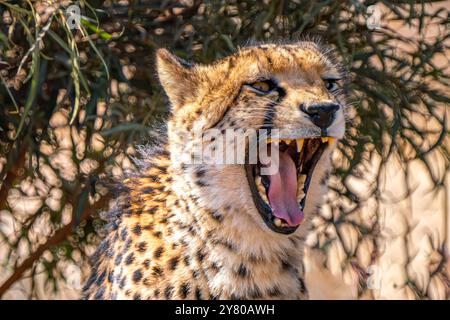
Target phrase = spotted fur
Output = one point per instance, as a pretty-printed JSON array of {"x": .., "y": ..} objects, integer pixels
[{"x": 191, "y": 231}]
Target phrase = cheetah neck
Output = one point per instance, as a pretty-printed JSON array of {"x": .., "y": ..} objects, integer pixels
[{"x": 238, "y": 259}]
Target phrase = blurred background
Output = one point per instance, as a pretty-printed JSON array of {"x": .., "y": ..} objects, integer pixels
[{"x": 78, "y": 95}]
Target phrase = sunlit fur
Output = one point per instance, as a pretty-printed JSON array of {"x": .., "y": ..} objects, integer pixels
[{"x": 192, "y": 231}]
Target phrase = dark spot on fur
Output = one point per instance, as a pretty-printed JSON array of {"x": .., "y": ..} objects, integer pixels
[
  {"x": 137, "y": 229},
  {"x": 285, "y": 265},
  {"x": 127, "y": 246},
  {"x": 104, "y": 245},
  {"x": 173, "y": 263},
  {"x": 255, "y": 293},
  {"x": 184, "y": 290},
  {"x": 137, "y": 275},
  {"x": 214, "y": 267},
  {"x": 198, "y": 294},
  {"x": 122, "y": 282},
  {"x": 200, "y": 256},
  {"x": 163, "y": 220},
  {"x": 137, "y": 296},
  {"x": 274, "y": 292},
  {"x": 129, "y": 259},
  {"x": 142, "y": 246},
  {"x": 100, "y": 293},
  {"x": 192, "y": 230},
  {"x": 200, "y": 173},
  {"x": 101, "y": 278},
  {"x": 217, "y": 216},
  {"x": 243, "y": 271},
  {"x": 157, "y": 271},
  {"x": 255, "y": 259},
  {"x": 168, "y": 292},
  {"x": 118, "y": 259},
  {"x": 157, "y": 234},
  {"x": 230, "y": 245},
  {"x": 152, "y": 210},
  {"x": 186, "y": 260},
  {"x": 147, "y": 190},
  {"x": 302, "y": 285},
  {"x": 158, "y": 252},
  {"x": 162, "y": 169},
  {"x": 200, "y": 183},
  {"x": 149, "y": 227},
  {"x": 110, "y": 277}
]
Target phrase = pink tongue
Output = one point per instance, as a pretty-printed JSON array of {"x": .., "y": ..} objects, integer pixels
[{"x": 283, "y": 192}]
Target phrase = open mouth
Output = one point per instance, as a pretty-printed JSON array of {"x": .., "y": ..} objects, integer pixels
[{"x": 280, "y": 197}]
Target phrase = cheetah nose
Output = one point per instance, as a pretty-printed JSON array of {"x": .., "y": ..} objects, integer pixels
[{"x": 321, "y": 114}]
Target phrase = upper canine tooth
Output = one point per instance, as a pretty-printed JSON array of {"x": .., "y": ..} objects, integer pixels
[
  {"x": 300, "y": 144},
  {"x": 288, "y": 141},
  {"x": 324, "y": 139}
]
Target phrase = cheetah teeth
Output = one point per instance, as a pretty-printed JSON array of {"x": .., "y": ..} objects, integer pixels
[
  {"x": 279, "y": 223},
  {"x": 300, "y": 185},
  {"x": 261, "y": 189},
  {"x": 300, "y": 142}
]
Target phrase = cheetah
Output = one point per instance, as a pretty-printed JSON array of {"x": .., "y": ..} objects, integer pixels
[{"x": 208, "y": 230}]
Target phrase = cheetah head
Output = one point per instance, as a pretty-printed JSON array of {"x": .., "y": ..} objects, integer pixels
[{"x": 293, "y": 89}]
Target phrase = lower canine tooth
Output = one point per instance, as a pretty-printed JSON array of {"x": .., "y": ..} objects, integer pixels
[{"x": 277, "y": 222}]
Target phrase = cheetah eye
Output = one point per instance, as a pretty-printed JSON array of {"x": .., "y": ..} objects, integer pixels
[
  {"x": 264, "y": 86},
  {"x": 331, "y": 84}
]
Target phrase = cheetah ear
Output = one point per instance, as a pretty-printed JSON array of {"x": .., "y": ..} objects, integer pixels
[{"x": 176, "y": 77}]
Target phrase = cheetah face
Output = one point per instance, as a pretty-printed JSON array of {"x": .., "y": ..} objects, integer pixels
[{"x": 293, "y": 90}]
